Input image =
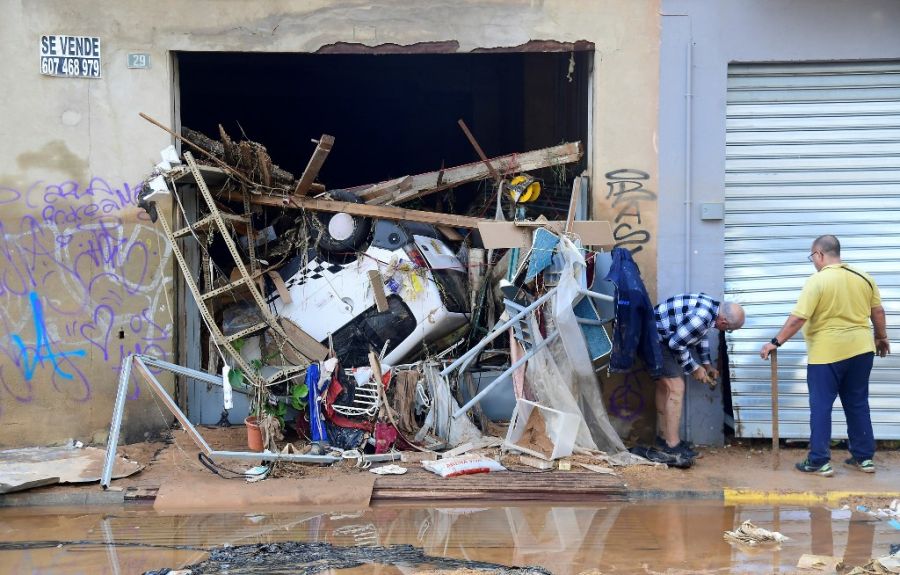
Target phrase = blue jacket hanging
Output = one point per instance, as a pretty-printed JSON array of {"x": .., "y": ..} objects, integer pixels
[{"x": 634, "y": 331}]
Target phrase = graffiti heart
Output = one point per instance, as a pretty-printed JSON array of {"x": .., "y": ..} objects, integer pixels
[{"x": 80, "y": 286}]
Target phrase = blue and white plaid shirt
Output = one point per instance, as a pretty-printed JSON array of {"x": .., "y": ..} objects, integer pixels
[{"x": 682, "y": 322}]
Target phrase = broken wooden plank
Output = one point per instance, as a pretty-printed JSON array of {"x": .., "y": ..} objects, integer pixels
[
  {"x": 451, "y": 234},
  {"x": 323, "y": 147},
  {"x": 381, "y": 303},
  {"x": 431, "y": 182},
  {"x": 535, "y": 462},
  {"x": 367, "y": 210},
  {"x": 484, "y": 159},
  {"x": 480, "y": 443},
  {"x": 496, "y": 235},
  {"x": 218, "y": 177},
  {"x": 393, "y": 186}
]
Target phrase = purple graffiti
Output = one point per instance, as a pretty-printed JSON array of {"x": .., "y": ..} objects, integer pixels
[
  {"x": 626, "y": 401},
  {"x": 95, "y": 261}
]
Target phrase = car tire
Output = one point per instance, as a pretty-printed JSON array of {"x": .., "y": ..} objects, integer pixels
[{"x": 340, "y": 234}]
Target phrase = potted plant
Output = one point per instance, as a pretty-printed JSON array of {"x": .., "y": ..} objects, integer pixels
[{"x": 263, "y": 403}]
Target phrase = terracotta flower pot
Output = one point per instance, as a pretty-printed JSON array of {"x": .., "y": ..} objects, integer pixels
[{"x": 254, "y": 434}]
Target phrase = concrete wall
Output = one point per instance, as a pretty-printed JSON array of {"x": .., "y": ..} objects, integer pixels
[
  {"x": 710, "y": 34},
  {"x": 83, "y": 276}
]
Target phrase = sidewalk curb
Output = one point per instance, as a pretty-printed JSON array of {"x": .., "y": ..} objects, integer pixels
[
  {"x": 89, "y": 498},
  {"x": 800, "y": 497},
  {"x": 661, "y": 494},
  {"x": 732, "y": 496}
]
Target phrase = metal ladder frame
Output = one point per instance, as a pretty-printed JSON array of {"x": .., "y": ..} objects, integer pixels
[{"x": 247, "y": 278}]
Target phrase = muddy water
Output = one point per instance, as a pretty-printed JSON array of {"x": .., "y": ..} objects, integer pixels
[{"x": 658, "y": 537}]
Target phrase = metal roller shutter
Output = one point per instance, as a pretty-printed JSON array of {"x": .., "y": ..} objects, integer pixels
[{"x": 811, "y": 149}]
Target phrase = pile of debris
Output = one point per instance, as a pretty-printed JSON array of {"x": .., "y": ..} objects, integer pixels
[{"x": 361, "y": 326}]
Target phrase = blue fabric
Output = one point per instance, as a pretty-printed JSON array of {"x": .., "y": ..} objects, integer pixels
[
  {"x": 316, "y": 421},
  {"x": 543, "y": 244},
  {"x": 848, "y": 379},
  {"x": 634, "y": 333}
]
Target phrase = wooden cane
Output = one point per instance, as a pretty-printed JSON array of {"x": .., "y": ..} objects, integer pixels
[{"x": 776, "y": 451}]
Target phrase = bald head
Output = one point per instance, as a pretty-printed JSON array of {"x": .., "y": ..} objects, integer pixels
[
  {"x": 733, "y": 314},
  {"x": 828, "y": 245}
]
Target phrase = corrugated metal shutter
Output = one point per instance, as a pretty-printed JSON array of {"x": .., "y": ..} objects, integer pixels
[{"x": 811, "y": 149}]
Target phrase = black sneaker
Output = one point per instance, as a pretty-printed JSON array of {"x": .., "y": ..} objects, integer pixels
[
  {"x": 806, "y": 467},
  {"x": 866, "y": 465},
  {"x": 686, "y": 447},
  {"x": 680, "y": 449}
]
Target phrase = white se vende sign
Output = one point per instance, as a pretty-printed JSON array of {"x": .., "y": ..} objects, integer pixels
[{"x": 70, "y": 56}]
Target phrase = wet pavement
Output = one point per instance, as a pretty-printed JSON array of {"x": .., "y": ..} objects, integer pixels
[{"x": 645, "y": 537}]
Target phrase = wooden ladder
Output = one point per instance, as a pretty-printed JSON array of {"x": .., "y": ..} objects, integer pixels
[{"x": 297, "y": 350}]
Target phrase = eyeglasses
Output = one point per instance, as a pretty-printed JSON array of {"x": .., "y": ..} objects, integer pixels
[{"x": 810, "y": 256}]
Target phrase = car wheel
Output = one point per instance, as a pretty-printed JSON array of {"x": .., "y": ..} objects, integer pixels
[{"x": 341, "y": 235}]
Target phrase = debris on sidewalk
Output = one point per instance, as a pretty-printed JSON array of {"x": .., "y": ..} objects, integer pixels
[
  {"x": 30, "y": 467},
  {"x": 388, "y": 470},
  {"x": 462, "y": 465},
  {"x": 752, "y": 536},
  {"x": 374, "y": 332},
  {"x": 825, "y": 563},
  {"x": 887, "y": 565}
]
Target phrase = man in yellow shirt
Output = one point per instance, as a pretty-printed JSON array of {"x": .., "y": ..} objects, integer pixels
[{"x": 835, "y": 307}]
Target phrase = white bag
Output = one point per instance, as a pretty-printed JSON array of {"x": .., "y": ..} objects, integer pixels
[{"x": 462, "y": 465}]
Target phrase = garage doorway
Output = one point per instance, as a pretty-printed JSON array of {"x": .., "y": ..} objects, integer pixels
[{"x": 392, "y": 115}]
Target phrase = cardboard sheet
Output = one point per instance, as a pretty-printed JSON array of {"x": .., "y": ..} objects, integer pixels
[
  {"x": 350, "y": 491},
  {"x": 30, "y": 467},
  {"x": 497, "y": 235}
]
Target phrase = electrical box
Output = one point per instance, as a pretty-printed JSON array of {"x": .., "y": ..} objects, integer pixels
[{"x": 712, "y": 211}]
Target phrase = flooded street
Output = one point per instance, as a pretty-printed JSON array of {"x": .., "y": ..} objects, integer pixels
[{"x": 646, "y": 537}]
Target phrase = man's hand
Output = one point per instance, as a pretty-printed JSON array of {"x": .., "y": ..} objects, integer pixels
[
  {"x": 766, "y": 350},
  {"x": 711, "y": 372},
  {"x": 699, "y": 374},
  {"x": 882, "y": 346}
]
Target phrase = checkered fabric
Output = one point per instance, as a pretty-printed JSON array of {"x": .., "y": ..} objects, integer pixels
[
  {"x": 314, "y": 270},
  {"x": 682, "y": 322}
]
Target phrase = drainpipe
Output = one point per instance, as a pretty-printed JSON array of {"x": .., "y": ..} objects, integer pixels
[
  {"x": 688, "y": 203},
  {"x": 688, "y": 197}
]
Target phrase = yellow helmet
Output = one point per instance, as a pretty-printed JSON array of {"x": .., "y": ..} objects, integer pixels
[{"x": 524, "y": 188}]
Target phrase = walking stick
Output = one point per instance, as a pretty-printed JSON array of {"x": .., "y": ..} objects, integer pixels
[{"x": 776, "y": 451}]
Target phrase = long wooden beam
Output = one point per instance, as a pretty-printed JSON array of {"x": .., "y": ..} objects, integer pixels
[
  {"x": 431, "y": 182},
  {"x": 382, "y": 212}
]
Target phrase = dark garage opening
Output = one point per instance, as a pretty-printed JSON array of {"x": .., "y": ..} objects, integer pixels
[{"x": 395, "y": 115}]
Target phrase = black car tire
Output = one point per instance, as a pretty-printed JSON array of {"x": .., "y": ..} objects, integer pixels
[{"x": 344, "y": 250}]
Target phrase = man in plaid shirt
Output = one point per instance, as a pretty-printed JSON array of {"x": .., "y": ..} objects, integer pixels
[{"x": 682, "y": 322}]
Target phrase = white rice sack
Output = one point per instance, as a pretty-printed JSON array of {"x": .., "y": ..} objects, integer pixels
[{"x": 462, "y": 465}]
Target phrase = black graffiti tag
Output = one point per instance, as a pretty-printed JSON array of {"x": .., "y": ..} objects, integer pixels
[{"x": 626, "y": 189}]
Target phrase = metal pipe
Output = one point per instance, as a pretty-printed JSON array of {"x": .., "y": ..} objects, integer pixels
[
  {"x": 179, "y": 370},
  {"x": 595, "y": 295},
  {"x": 497, "y": 331},
  {"x": 298, "y": 457},
  {"x": 688, "y": 159},
  {"x": 688, "y": 199},
  {"x": 116, "y": 424},
  {"x": 480, "y": 395}
]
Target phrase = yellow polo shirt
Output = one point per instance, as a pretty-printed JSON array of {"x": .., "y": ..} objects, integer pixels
[{"x": 837, "y": 304}]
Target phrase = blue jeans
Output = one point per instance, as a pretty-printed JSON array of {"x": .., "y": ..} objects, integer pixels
[{"x": 848, "y": 379}]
